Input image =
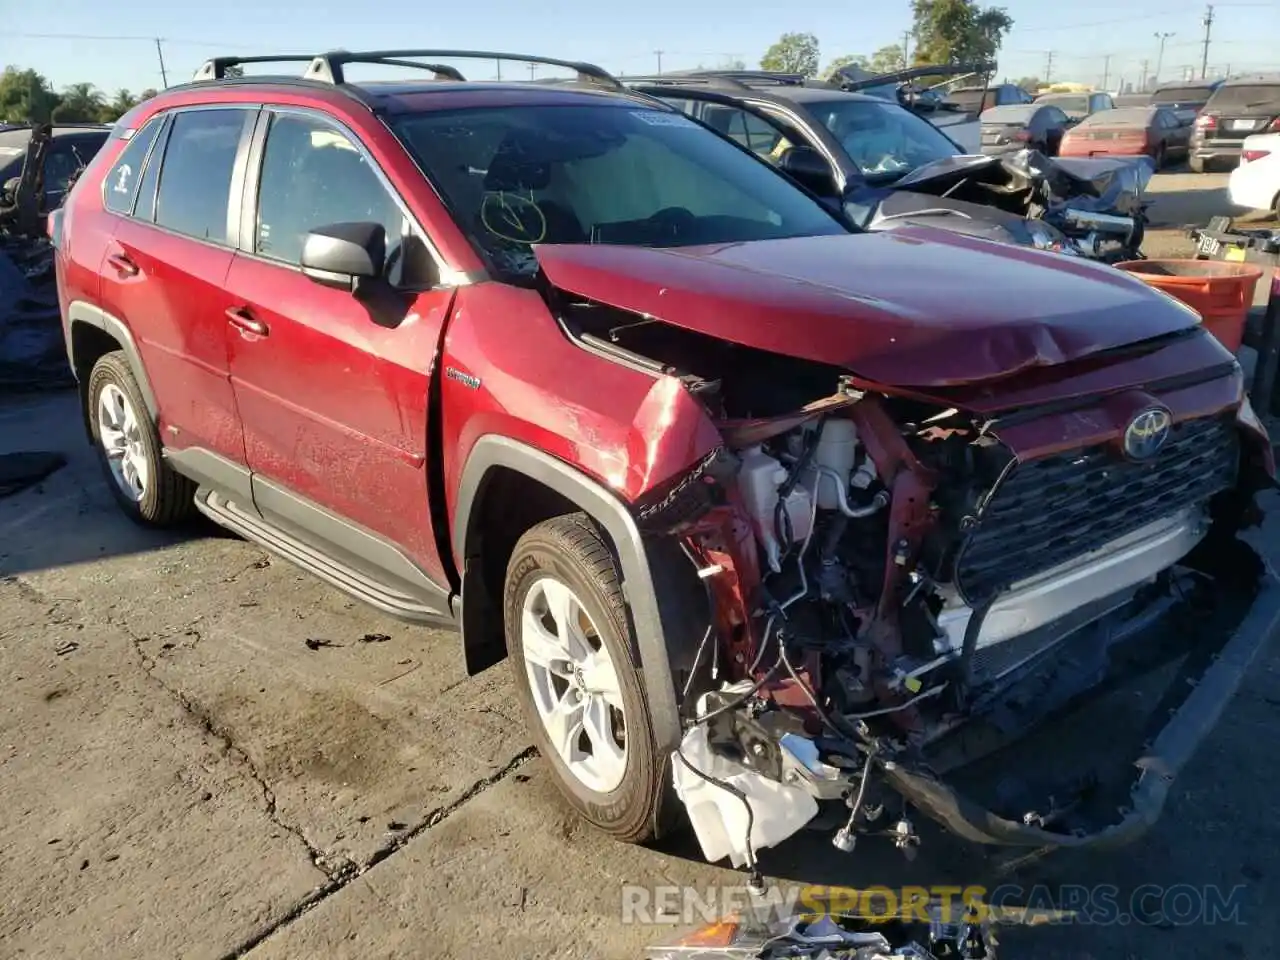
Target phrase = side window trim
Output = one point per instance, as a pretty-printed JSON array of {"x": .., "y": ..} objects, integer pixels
[
  {"x": 248, "y": 199},
  {"x": 155, "y": 155}
]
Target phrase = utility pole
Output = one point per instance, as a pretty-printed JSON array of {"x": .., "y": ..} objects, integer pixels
[
  {"x": 1208, "y": 25},
  {"x": 1048, "y": 66},
  {"x": 1106, "y": 70},
  {"x": 1162, "y": 37},
  {"x": 499, "y": 63},
  {"x": 658, "y": 54},
  {"x": 1142, "y": 83},
  {"x": 532, "y": 68},
  {"x": 906, "y": 48},
  {"x": 164, "y": 76}
]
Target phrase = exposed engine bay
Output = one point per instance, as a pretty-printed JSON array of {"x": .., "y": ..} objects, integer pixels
[
  {"x": 1091, "y": 208},
  {"x": 884, "y": 575}
]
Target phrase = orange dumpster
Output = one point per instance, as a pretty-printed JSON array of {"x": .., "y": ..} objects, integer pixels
[{"x": 1220, "y": 292}]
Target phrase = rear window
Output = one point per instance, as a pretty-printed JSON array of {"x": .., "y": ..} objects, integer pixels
[
  {"x": 1127, "y": 117},
  {"x": 969, "y": 99},
  {"x": 1252, "y": 96},
  {"x": 1182, "y": 95},
  {"x": 1068, "y": 104},
  {"x": 1010, "y": 113}
]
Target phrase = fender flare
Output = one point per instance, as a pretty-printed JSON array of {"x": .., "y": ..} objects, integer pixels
[
  {"x": 80, "y": 312},
  {"x": 494, "y": 451}
]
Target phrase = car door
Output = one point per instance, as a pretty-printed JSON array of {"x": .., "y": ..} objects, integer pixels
[
  {"x": 332, "y": 389},
  {"x": 1053, "y": 126},
  {"x": 165, "y": 264}
]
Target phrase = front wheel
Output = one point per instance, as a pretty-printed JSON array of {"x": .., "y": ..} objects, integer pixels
[{"x": 575, "y": 667}]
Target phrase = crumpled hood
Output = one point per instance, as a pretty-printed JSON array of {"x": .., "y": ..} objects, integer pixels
[{"x": 914, "y": 307}]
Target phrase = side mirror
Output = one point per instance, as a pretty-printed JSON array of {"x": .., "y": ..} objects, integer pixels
[
  {"x": 808, "y": 167},
  {"x": 345, "y": 255}
]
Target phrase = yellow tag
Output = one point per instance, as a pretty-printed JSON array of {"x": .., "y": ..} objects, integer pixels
[
  {"x": 913, "y": 684},
  {"x": 1235, "y": 253}
]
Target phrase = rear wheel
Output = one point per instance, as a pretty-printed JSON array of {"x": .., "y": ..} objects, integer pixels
[
  {"x": 147, "y": 489},
  {"x": 575, "y": 666},
  {"x": 1159, "y": 157}
]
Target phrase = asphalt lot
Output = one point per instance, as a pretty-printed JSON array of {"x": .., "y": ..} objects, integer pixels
[{"x": 205, "y": 753}]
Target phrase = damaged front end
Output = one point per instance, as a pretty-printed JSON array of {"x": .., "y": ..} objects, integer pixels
[
  {"x": 1091, "y": 208},
  {"x": 905, "y": 583}
]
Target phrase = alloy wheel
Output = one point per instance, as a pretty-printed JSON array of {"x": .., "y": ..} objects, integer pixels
[
  {"x": 574, "y": 684},
  {"x": 120, "y": 433}
]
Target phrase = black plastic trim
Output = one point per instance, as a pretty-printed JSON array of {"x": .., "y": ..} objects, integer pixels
[
  {"x": 290, "y": 512},
  {"x": 650, "y": 621},
  {"x": 80, "y": 312},
  {"x": 208, "y": 469},
  {"x": 1172, "y": 748}
]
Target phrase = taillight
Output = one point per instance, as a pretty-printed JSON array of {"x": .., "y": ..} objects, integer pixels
[
  {"x": 1275, "y": 125},
  {"x": 1247, "y": 156},
  {"x": 1206, "y": 122}
]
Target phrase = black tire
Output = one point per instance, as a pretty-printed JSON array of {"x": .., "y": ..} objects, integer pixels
[
  {"x": 572, "y": 550},
  {"x": 1160, "y": 159},
  {"x": 169, "y": 499}
]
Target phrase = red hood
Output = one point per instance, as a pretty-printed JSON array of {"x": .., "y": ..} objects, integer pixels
[{"x": 912, "y": 307}]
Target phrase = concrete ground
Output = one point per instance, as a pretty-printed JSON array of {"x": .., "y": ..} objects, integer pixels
[{"x": 205, "y": 753}]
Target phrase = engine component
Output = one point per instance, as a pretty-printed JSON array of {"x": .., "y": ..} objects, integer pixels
[
  {"x": 759, "y": 478},
  {"x": 1108, "y": 224},
  {"x": 834, "y": 457}
]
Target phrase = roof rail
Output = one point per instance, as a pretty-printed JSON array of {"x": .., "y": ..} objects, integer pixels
[
  {"x": 686, "y": 80},
  {"x": 328, "y": 67}
]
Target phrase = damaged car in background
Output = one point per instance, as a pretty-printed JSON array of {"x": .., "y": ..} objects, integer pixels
[
  {"x": 887, "y": 167},
  {"x": 769, "y": 514}
]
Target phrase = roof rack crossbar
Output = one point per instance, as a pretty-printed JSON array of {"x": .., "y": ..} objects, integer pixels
[
  {"x": 442, "y": 70},
  {"x": 688, "y": 80},
  {"x": 328, "y": 67},
  {"x": 216, "y": 69}
]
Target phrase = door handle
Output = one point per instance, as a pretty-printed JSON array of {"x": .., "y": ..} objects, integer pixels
[
  {"x": 242, "y": 320},
  {"x": 123, "y": 265}
]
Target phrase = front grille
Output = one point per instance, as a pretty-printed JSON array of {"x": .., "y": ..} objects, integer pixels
[{"x": 1046, "y": 512}]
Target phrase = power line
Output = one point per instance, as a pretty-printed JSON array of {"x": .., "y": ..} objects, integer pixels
[{"x": 1162, "y": 37}]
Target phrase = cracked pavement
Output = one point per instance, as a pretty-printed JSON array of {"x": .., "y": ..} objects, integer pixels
[{"x": 207, "y": 753}]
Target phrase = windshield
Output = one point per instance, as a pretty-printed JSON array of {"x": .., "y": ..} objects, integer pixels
[
  {"x": 883, "y": 139},
  {"x": 1182, "y": 95},
  {"x": 517, "y": 176}
]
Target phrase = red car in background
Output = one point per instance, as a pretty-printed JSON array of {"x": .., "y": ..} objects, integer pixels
[{"x": 1156, "y": 132}]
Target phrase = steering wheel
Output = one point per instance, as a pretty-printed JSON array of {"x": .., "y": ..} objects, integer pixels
[{"x": 673, "y": 222}]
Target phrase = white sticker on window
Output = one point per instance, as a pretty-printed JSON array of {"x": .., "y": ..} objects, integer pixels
[
  {"x": 122, "y": 182},
  {"x": 655, "y": 118}
]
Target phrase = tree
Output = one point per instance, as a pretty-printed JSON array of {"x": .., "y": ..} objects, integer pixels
[
  {"x": 887, "y": 59},
  {"x": 25, "y": 97},
  {"x": 848, "y": 60},
  {"x": 793, "y": 53},
  {"x": 1031, "y": 84},
  {"x": 147, "y": 94},
  {"x": 956, "y": 31},
  {"x": 81, "y": 103},
  {"x": 121, "y": 104}
]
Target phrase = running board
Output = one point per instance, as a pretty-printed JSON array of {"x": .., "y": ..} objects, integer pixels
[{"x": 355, "y": 582}]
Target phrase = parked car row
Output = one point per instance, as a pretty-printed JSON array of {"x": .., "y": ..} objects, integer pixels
[{"x": 768, "y": 511}]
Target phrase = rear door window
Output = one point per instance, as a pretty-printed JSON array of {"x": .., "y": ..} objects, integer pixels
[
  {"x": 120, "y": 188},
  {"x": 199, "y": 162},
  {"x": 757, "y": 135}
]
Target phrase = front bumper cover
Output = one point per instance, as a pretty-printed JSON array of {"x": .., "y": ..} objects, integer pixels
[{"x": 1211, "y": 689}]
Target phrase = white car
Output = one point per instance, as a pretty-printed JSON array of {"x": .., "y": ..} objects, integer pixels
[{"x": 1256, "y": 182}]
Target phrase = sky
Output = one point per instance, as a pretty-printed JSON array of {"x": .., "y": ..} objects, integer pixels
[{"x": 111, "y": 45}]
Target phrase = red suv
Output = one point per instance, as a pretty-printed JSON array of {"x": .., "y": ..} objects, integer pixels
[{"x": 765, "y": 511}]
